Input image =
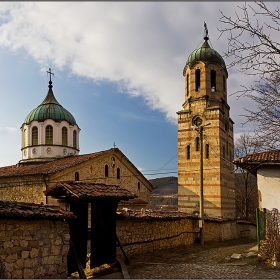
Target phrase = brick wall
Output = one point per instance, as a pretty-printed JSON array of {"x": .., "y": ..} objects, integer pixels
[{"x": 34, "y": 248}]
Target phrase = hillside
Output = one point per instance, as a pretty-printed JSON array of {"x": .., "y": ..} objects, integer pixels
[{"x": 165, "y": 194}]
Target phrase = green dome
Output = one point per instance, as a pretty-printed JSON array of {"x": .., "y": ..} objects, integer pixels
[
  {"x": 205, "y": 54},
  {"x": 50, "y": 109}
]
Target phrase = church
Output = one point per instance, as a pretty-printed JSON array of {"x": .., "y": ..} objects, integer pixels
[
  {"x": 50, "y": 154},
  {"x": 205, "y": 137}
]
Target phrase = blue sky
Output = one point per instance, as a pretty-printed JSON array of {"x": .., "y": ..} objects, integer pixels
[{"x": 117, "y": 68}]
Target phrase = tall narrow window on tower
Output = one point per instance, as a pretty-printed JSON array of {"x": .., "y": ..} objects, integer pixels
[
  {"x": 197, "y": 143},
  {"x": 187, "y": 84},
  {"x": 224, "y": 83},
  {"x": 197, "y": 80},
  {"x": 207, "y": 151},
  {"x": 188, "y": 152},
  {"x": 213, "y": 80},
  {"x": 34, "y": 135},
  {"x": 49, "y": 134}
]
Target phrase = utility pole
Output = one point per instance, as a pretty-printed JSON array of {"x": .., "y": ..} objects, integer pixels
[
  {"x": 201, "y": 197},
  {"x": 199, "y": 128}
]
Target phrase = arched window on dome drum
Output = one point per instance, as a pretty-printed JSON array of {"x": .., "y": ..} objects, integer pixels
[
  {"x": 213, "y": 80},
  {"x": 34, "y": 135},
  {"x": 25, "y": 138},
  {"x": 207, "y": 151},
  {"x": 118, "y": 173},
  {"x": 106, "y": 170},
  {"x": 49, "y": 134},
  {"x": 197, "y": 80},
  {"x": 187, "y": 84},
  {"x": 197, "y": 143},
  {"x": 64, "y": 136},
  {"x": 75, "y": 139},
  {"x": 224, "y": 83},
  {"x": 188, "y": 152}
]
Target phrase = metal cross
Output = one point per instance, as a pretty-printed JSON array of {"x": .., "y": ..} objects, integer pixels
[
  {"x": 114, "y": 145},
  {"x": 205, "y": 30},
  {"x": 50, "y": 72}
]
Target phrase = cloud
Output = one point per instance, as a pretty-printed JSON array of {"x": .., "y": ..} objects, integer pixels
[{"x": 143, "y": 46}]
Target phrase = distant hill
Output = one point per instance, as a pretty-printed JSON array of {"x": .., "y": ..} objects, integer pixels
[
  {"x": 165, "y": 194},
  {"x": 165, "y": 185}
]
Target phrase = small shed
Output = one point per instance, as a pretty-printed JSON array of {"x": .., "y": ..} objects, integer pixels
[{"x": 104, "y": 202}]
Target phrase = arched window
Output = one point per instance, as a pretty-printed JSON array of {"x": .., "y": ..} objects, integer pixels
[
  {"x": 118, "y": 173},
  {"x": 106, "y": 171},
  {"x": 138, "y": 186},
  {"x": 64, "y": 136},
  {"x": 188, "y": 152},
  {"x": 25, "y": 138},
  {"x": 227, "y": 148},
  {"x": 34, "y": 135},
  {"x": 213, "y": 80},
  {"x": 49, "y": 134},
  {"x": 224, "y": 83},
  {"x": 207, "y": 151},
  {"x": 197, "y": 80},
  {"x": 187, "y": 84},
  {"x": 77, "y": 176},
  {"x": 197, "y": 143},
  {"x": 75, "y": 139}
]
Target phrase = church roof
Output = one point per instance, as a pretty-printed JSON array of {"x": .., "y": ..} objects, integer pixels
[
  {"x": 48, "y": 167},
  {"x": 88, "y": 191},
  {"x": 50, "y": 109},
  {"x": 61, "y": 164}
]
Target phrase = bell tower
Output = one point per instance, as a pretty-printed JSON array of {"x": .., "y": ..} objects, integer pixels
[{"x": 205, "y": 110}]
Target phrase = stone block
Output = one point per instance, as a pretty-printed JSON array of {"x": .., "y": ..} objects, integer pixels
[
  {"x": 55, "y": 250},
  {"x": 34, "y": 253},
  {"x": 40, "y": 272},
  {"x": 236, "y": 256},
  {"x": 28, "y": 273},
  {"x": 17, "y": 274},
  {"x": 30, "y": 262},
  {"x": 11, "y": 258},
  {"x": 7, "y": 244},
  {"x": 25, "y": 254},
  {"x": 19, "y": 263},
  {"x": 23, "y": 243}
]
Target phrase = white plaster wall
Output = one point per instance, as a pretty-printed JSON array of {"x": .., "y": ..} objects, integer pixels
[
  {"x": 57, "y": 150},
  {"x": 269, "y": 186}
]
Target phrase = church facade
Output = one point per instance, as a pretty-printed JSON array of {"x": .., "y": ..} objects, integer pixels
[
  {"x": 50, "y": 153},
  {"x": 205, "y": 118}
]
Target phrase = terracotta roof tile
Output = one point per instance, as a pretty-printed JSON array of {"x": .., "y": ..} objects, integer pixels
[
  {"x": 47, "y": 167},
  {"x": 31, "y": 210},
  {"x": 87, "y": 190},
  {"x": 252, "y": 161}
]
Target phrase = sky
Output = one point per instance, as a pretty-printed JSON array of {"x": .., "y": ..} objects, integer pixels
[{"x": 117, "y": 68}]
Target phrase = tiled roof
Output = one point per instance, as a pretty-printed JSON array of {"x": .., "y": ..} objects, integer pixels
[
  {"x": 31, "y": 210},
  {"x": 48, "y": 167},
  {"x": 133, "y": 201},
  {"x": 252, "y": 161},
  {"x": 86, "y": 191}
]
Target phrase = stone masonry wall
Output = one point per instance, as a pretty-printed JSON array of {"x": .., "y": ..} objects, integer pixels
[
  {"x": 34, "y": 248},
  {"x": 141, "y": 236}
]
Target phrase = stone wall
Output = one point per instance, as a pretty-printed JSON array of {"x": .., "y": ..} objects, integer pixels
[
  {"x": 141, "y": 236},
  {"x": 34, "y": 248}
]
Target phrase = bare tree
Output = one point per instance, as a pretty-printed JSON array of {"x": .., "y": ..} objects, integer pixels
[
  {"x": 254, "y": 46},
  {"x": 246, "y": 199}
]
